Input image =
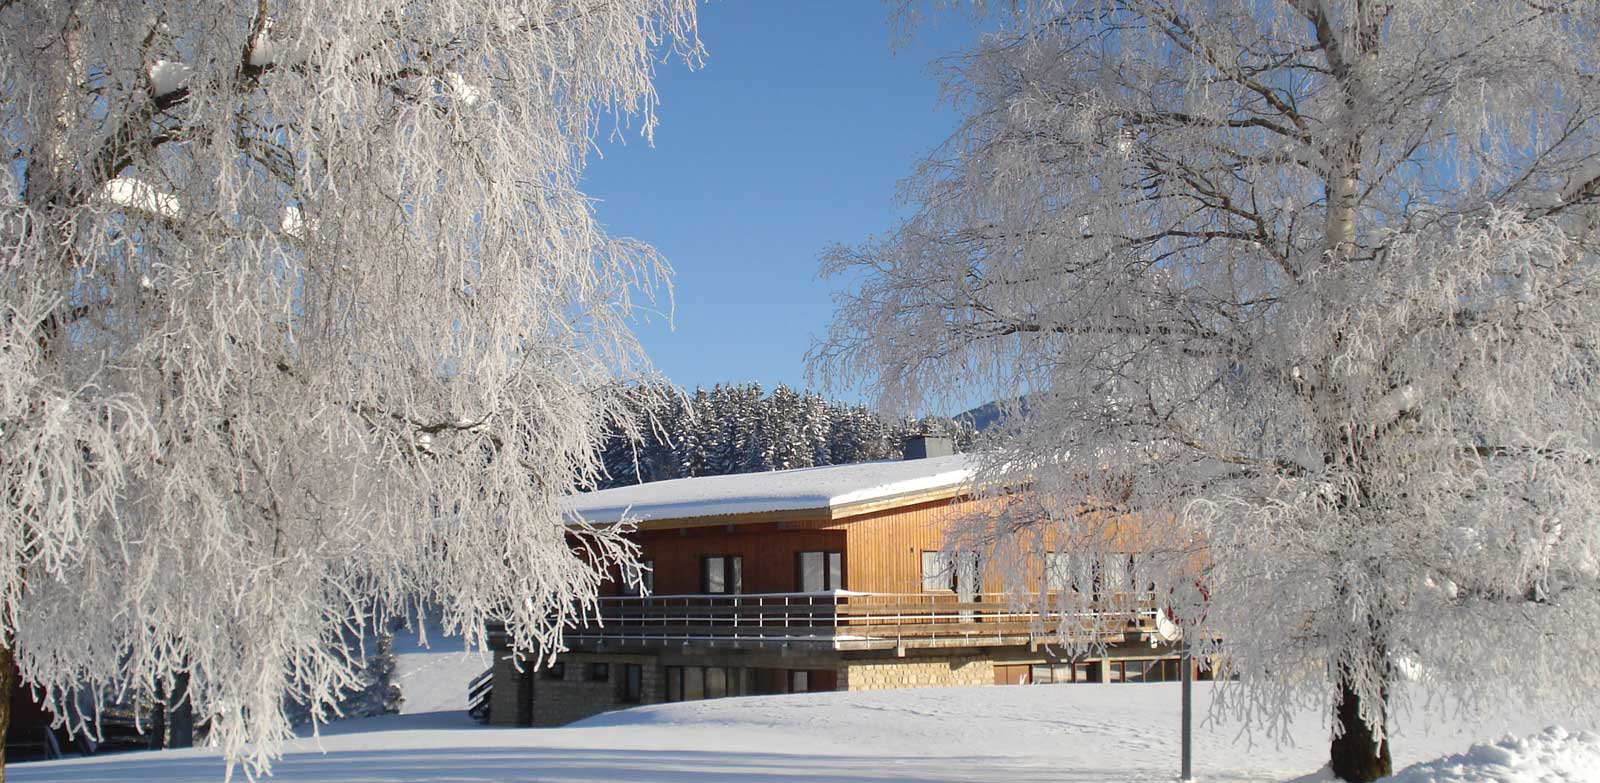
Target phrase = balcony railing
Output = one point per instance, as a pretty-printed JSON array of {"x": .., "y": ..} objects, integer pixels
[{"x": 849, "y": 620}]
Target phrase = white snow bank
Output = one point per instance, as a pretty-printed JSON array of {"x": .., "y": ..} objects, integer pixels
[
  {"x": 1018, "y": 734},
  {"x": 1554, "y": 755},
  {"x": 827, "y": 487}
]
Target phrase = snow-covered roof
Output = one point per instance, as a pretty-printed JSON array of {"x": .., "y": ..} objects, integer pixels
[{"x": 828, "y": 489}]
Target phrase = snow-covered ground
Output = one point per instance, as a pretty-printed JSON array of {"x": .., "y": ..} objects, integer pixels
[
  {"x": 1019, "y": 734},
  {"x": 434, "y": 676}
]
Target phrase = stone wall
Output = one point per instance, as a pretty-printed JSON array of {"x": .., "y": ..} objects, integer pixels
[
  {"x": 577, "y": 695},
  {"x": 535, "y": 698},
  {"x": 509, "y": 698},
  {"x": 918, "y": 672}
]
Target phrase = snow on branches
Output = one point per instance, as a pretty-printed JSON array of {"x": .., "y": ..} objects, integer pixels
[
  {"x": 735, "y": 429},
  {"x": 304, "y": 317},
  {"x": 1315, "y": 281}
]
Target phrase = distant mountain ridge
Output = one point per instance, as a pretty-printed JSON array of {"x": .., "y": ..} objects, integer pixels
[{"x": 990, "y": 413}]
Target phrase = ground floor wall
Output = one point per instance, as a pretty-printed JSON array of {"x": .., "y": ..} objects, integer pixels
[
  {"x": 583, "y": 683},
  {"x": 915, "y": 672},
  {"x": 576, "y": 686}
]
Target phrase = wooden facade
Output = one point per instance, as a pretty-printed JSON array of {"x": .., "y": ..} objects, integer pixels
[
  {"x": 882, "y": 549},
  {"x": 709, "y": 627},
  {"x": 888, "y": 545},
  {"x": 768, "y": 552}
]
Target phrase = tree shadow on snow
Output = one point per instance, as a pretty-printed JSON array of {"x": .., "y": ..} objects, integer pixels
[{"x": 549, "y": 765}]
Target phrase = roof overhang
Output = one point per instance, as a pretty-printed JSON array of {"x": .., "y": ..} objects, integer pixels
[{"x": 829, "y": 513}]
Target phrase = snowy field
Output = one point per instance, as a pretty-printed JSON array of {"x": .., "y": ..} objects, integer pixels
[
  {"x": 1021, "y": 734},
  {"x": 433, "y": 676}
]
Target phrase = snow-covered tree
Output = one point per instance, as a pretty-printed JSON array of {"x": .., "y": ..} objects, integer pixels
[
  {"x": 303, "y": 316},
  {"x": 734, "y": 429},
  {"x": 814, "y": 424},
  {"x": 1303, "y": 294}
]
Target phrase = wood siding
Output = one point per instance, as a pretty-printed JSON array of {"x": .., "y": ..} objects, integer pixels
[
  {"x": 884, "y": 549},
  {"x": 768, "y": 553}
]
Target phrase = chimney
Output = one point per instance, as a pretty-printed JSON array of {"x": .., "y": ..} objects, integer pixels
[{"x": 925, "y": 446}]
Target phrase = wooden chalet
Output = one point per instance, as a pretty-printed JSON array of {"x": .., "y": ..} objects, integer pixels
[{"x": 815, "y": 579}]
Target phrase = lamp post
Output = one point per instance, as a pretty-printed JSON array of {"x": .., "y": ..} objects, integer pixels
[{"x": 1186, "y": 661}]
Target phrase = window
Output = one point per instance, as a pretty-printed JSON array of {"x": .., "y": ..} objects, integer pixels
[
  {"x": 1166, "y": 670},
  {"x": 799, "y": 681},
  {"x": 768, "y": 681},
  {"x": 556, "y": 671},
  {"x": 692, "y": 683},
  {"x": 1048, "y": 673},
  {"x": 630, "y": 689},
  {"x": 969, "y": 576},
  {"x": 1119, "y": 576},
  {"x": 716, "y": 682},
  {"x": 1140, "y": 564},
  {"x": 937, "y": 575},
  {"x": 722, "y": 575},
  {"x": 598, "y": 672},
  {"x": 1116, "y": 574},
  {"x": 819, "y": 571},
  {"x": 1057, "y": 571},
  {"x": 1136, "y": 671},
  {"x": 638, "y": 579},
  {"x": 959, "y": 573}
]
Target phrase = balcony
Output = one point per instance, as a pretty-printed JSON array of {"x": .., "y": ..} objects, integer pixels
[{"x": 842, "y": 620}]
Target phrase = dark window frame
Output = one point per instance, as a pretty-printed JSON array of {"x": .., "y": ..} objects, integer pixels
[
  {"x": 556, "y": 671},
  {"x": 630, "y": 686},
  {"x": 954, "y": 565},
  {"x": 673, "y": 675},
  {"x": 946, "y": 573},
  {"x": 647, "y": 576},
  {"x": 732, "y": 574},
  {"x": 709, "y": 682},
  {"x": 597, "y": 671},
  {"x": 832, "y": 570}
]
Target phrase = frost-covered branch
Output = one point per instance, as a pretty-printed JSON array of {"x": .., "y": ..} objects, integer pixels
[
  {"x": 1313, "y": 282},
  {"x": 305, "y": 320}
]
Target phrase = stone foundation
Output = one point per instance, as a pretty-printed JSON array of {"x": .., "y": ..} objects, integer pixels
[
  {"x": 575, "y": 690},
  {"x": 511, "y": 692},
  {"x": 582, "y": 692},
  {"x": 569, "y": 691},
  {"x": 930, "y": 672}
]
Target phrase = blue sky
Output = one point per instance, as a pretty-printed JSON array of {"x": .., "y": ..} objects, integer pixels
[{"x": 792, "y": 136}]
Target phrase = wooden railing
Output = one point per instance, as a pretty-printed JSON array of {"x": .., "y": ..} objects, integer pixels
[
  {"x": 844, "y": 620},
  {"x": 479, "y": 689}
]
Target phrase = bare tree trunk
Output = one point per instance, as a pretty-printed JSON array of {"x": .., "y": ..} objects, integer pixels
[
  {"x": 156, "y": 727},
  {"x": 1357, "y": 755},
  {"x": 180, "y": 714},
  {"x": 7, "y": 682}
]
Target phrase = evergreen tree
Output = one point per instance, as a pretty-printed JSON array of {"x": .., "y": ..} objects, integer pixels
[{"x": 736, "y": 429}]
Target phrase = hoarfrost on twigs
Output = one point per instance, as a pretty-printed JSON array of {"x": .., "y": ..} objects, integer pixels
[
  {"x": 1296, "y": 316},
  {"x": 290, "y": 336}
]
